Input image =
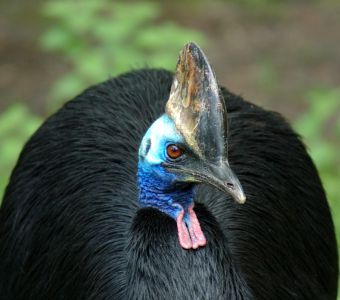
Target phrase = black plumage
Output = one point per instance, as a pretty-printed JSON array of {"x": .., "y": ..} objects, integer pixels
[{"x": 71, "y": 228}]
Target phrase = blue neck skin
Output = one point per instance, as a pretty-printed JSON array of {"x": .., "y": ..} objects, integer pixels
[{"x": 159, "y": 189}]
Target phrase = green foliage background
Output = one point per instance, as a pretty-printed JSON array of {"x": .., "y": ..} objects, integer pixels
[{"x": 105, "y": 40}]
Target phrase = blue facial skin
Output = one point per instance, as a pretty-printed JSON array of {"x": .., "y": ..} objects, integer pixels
[{"x": 159, "y": 188}]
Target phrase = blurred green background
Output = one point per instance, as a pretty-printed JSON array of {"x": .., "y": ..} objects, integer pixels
[{"x": 283, "y": 55}]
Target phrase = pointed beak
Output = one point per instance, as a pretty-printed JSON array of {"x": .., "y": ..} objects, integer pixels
[
  {"x": 218, "y": 175},
  {"x": 223, "y": 178}
]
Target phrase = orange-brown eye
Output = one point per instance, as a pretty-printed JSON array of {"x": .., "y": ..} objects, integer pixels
[{"x": 173, "y": 151}]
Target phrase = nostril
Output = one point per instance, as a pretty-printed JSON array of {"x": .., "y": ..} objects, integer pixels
[{"x": 230, "y": 185}]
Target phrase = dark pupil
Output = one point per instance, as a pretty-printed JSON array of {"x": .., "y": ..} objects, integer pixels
[{"x": 174, "y": 149}]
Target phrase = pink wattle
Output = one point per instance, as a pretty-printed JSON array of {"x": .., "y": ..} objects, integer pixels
[{"x": 190, "y": 235}]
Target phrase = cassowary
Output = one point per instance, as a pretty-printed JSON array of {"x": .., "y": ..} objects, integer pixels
[{"x": 128, "y": 192}]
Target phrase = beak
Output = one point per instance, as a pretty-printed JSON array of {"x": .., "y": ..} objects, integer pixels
[
  {"x": 218, "y": 175},
  {"x": 223, "y": 178}
]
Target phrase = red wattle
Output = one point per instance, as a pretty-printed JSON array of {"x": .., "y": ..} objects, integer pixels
[
  {"x": 183, "y": 234},
  {"x": 190, "y": 237},
  {"x": 195, "y": 228}
]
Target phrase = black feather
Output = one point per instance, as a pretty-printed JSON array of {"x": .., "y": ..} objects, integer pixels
[{"x": 70, "y": 227}]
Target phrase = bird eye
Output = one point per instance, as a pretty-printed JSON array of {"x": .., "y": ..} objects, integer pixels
[{"x": 173, "y": 151}]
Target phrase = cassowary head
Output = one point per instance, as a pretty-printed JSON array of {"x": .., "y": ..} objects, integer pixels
[{"x": 187, "y": 145}]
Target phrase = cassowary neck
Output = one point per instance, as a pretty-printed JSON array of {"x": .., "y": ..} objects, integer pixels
[{"x": 158, "y": 189}]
